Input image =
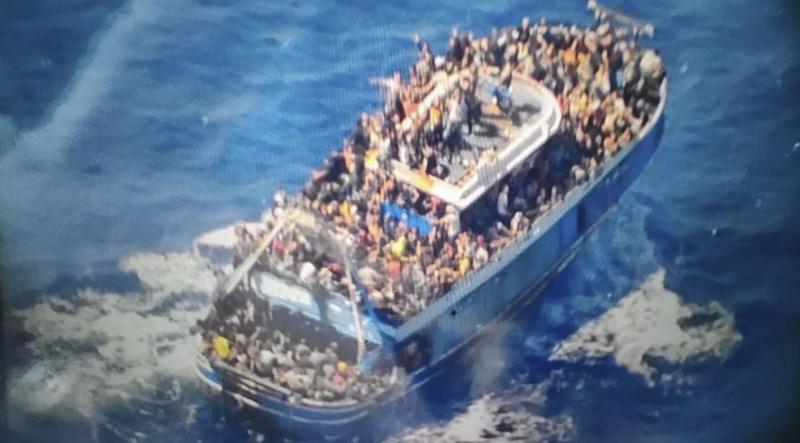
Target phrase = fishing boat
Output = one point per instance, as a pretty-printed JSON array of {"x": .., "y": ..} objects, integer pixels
[{"x": 416, "y": 347}]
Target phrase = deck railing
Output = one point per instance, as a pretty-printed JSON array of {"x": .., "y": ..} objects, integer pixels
[
  {"x": 487, "y": 174},
  {"x": 488, "y": 171}
]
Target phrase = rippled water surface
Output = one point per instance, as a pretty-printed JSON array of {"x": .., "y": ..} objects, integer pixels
[{"x": 128, "y": 129}]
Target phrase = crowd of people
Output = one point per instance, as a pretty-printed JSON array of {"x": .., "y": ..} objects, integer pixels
[
  {"x": 241, "y": 331},
  {"x": 607, "y": 88}
]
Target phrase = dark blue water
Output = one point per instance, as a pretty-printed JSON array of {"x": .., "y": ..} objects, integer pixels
[{"x": 136, "y": 127}]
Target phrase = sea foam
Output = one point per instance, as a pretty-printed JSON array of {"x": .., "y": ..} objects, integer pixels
[
  {"x": 652, "y": 324},
  {"x": 96, "y": 346},
  {"x": 511, "y": 415}
]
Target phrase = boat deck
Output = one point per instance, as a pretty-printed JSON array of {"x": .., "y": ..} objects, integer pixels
[
  {"x": 499, "y": 142},
  {"x": 495, "y": 129}
]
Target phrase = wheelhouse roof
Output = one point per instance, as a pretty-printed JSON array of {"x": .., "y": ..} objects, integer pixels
[{"x": 502, "y": 143}]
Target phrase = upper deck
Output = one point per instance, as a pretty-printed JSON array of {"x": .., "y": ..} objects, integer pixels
[{"x": 500, "y": 141}]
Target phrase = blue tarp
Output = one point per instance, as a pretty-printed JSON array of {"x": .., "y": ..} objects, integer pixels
[{"x": 410, "y": 216}]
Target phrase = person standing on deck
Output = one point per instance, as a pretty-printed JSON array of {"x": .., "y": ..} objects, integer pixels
[
  {"x": 455, "y": 48},
  {"x": 456, "y": 114},
  {"x": 451, "y": 222},
  {"x": 502, "y": 204},
  {"x": 473, "y": 107}
]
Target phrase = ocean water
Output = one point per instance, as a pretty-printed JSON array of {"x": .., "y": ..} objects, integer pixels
[{"x": 128, "y": 129}]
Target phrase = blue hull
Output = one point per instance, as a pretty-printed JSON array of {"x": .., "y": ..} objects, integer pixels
[{"x": 495, "y": 292}]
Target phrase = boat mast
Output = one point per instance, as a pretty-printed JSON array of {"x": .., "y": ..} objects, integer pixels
[
  {"x": 352, "y": 289},
  {"x": 229, "y": 283},
  {"x": 323, "y": 229}
]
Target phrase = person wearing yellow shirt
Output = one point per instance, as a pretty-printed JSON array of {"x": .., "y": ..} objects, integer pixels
[
  {"x": 399, "y": 247},
  {"x": 571, "y": 54},
  {"x": 344, "y": 211},
  {"x": 463, "y": 266},
  {"x": 222, "y": 347},
  {"x": 435, "y": 115}
]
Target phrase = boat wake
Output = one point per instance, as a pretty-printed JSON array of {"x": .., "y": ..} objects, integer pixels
[
  {"x": 651, "y": 329},
  {"x": 80, "y": 353},
  {"x": 100, "y": 355},
  {"x": 98, "y": 352}
]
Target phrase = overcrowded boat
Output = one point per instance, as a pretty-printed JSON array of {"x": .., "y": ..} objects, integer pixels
[{"x": 443, "y": 213}]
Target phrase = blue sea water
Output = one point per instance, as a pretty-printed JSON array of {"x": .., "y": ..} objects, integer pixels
[{"x": 129, "y": 127}]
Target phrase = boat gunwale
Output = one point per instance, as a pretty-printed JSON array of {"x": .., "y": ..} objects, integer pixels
[{"x": 273, "y": 388}]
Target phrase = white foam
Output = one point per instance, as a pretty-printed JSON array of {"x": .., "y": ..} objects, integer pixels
[
  {"x": 487, "y": 359},
  {"x": 98, "y": 345},
  {"x": 224, "y": 238},
  {"x": 229, "y": 108},
  {"x": 500, "y": 417},
  {"x": 171, "y": 272},
  {"x": 653, "y": 321}
]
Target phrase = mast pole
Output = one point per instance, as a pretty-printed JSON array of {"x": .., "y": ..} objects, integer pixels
[
  {"x": 325, "y": 231},
  {"x": 352, "y": 289},
  {"x": 229, "y": 283}
]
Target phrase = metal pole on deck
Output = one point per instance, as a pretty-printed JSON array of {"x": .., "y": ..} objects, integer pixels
[
  {"x": 352, "y": 289},
  {"x": 324, "y": 230},
  {"x": 229, "y": 283}
]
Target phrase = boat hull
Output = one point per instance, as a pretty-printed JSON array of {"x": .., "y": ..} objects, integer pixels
[{"x": 494, "y": 293}]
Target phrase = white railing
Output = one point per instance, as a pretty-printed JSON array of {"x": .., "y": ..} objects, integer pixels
[
  {"x": 520, "y": 148},
  {"x": 488, "y": 171}
]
